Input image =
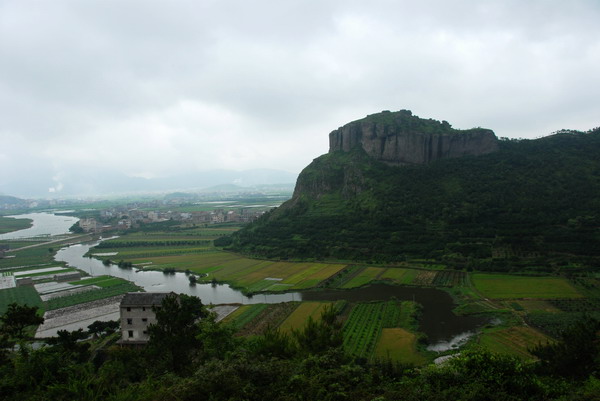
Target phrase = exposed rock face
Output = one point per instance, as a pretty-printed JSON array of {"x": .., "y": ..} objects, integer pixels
[{"x": 401, "y": 138}]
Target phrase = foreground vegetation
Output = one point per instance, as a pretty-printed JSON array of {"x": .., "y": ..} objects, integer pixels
[{"x": 188, "y": 361}]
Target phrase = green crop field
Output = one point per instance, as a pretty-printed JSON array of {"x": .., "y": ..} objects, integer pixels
[
  {"x": 365, "y": 276},
  {"x": 364, "y": 325},
  {"x": 399, "y": 275},
  {"x": 100, "y": 281},
  {"x": 513, "y": 340},
  {"x": 244, "y": 315},
  {"x": 49, "y": 273},
  {"x": 21, "y": 295},
  {"x": 191, "y": 249},
  {"x": 27, "y": 257},
  {"x": 499, "y": 286},
  {"x": 254, "y": 275},
  {"x": 300, "y": 315}
]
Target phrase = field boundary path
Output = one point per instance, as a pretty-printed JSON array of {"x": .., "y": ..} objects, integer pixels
[{"x": 48, "y": 243}]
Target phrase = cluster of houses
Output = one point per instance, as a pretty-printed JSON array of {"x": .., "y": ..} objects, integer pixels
[{"x": 133, "y": 218}]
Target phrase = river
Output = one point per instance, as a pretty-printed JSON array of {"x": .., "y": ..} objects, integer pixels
[{"x": 43, "y": 224}]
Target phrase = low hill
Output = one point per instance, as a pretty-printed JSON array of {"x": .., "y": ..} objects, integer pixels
[{"x": 527, "y": 204}]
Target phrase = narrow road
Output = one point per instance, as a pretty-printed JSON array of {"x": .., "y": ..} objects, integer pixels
[{"x": 48, "y": 243}]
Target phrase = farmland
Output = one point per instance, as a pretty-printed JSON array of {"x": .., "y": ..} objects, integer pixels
[
  {"x": 499, "y": 286},
  {"x": 364, "y": 276},
  {"x": 362, "y": 330},
  {"x": 21, "y": 295},
  {"x": 297, "y": 319},
  {"x": 192, "y": 250},
  {"x": 373, "y": 330},
  {"x": 514, "y": 340},
  {"x": 243, "y": 315},
  {"x": 88, "y": 296},
  {"x": 268, "y": 317}
]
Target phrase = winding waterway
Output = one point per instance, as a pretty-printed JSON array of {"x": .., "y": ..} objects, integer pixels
[
  {"x": 42, "y": 224},
  {"x": 154, "y": 281},
  {"x": 437, "y": 321}
]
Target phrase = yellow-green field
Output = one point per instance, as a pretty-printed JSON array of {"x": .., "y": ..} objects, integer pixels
[
  {"x": 364, "y": 277},
  {"x": 399, "y": 275},
  {"x": 254, "y": 275},
  {"x": 398, "y": 345},
  {"x": 513, "y": 340},
  {"x": 236, "y": 313},
  {"x": 500, "y": 286},
  {"x": 300, "y": 315}
]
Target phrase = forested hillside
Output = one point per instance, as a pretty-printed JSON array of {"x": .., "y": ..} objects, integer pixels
[{"x": 533, "y": 204}]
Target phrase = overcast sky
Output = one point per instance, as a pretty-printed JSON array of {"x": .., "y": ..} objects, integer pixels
[{"x": 153, "y": 88}]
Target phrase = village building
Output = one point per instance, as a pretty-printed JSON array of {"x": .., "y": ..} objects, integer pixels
[
  {"x": 137, "y": 314},
  {"x": 88, "y": 225}
]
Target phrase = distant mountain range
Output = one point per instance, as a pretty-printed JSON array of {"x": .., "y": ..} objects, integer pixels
[
  {"x": 396, "y": 187},
  {"x": 94, "y": 183}
]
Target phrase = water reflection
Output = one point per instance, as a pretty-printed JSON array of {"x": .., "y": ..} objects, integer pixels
[
  {"x": 154, "y": 281},
  {"x": 43, "y": 224}
]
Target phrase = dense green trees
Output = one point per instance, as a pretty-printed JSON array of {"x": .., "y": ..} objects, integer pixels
[
  {"x": 219, "y": 366},
  {"x": 532, "y": 203},
  {"x": 174, "y": 338},
  {"x": 17, "y": 318}
]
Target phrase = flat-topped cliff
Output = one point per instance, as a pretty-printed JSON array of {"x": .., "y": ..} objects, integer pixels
[{"x": 401, "y": 138}]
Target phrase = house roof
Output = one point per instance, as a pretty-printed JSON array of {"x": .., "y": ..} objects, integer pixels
[{"x": 144, "y": 298}]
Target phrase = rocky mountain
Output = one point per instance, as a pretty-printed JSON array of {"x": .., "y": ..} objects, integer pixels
[
  {"x": 502, "y": 205},
  {"x": 401, "y": 138}
]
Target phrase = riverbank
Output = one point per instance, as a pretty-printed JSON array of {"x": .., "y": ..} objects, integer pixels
[{"x": 11, "y": 224}]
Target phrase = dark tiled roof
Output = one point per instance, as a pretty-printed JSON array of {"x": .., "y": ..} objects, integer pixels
[{"x": 144, "y": 298}]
